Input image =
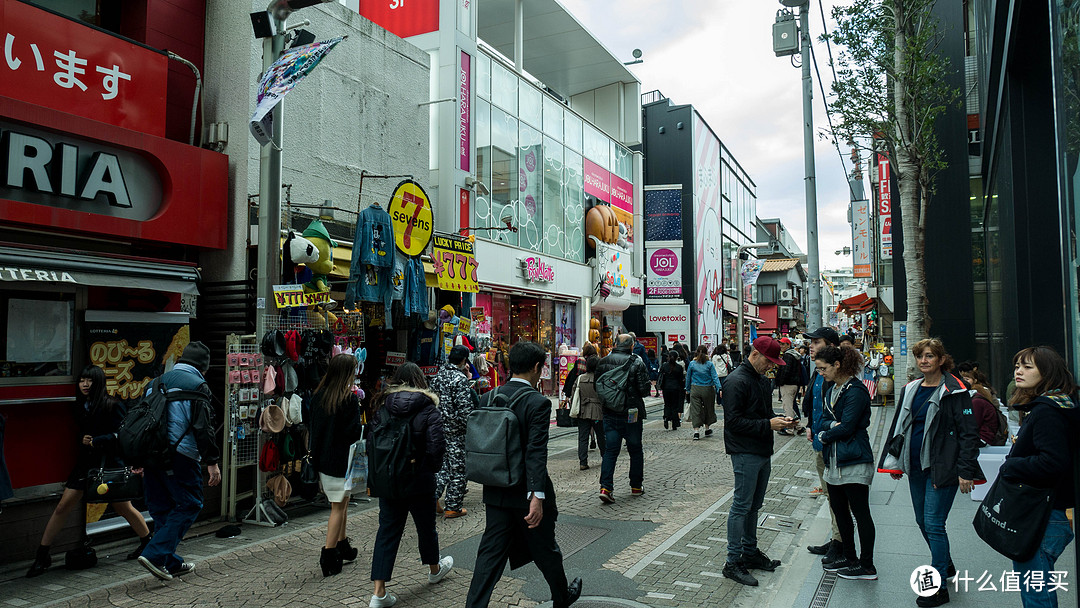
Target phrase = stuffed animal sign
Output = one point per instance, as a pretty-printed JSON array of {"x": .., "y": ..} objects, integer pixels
[
  {"x": 600, "y": 222},
  {"x": 321, "y": 267}
]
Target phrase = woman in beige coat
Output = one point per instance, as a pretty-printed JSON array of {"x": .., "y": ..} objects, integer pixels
[{"x": 590, "y": 415}]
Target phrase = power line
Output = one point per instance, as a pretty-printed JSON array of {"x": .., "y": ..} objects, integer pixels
[{"x": 825, "y": 101}]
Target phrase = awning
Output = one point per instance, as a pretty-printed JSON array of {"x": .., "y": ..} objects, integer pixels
[
  {"x": 856, "y": 304},
  {"x": 29, "y": 264},
  {"x": 752, "y": 319},
  {"x": 779, "y": 264}
]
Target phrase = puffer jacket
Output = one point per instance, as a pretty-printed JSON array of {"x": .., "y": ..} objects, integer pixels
[
  {"x": 950, "y": 440},
  {"x": 427, "y": 431},
  {"x": 747, "y": 412},
  {"x": 1043, "y": 453},
  {"x": 590, "y": 407},
  {"x": 848, "y": 441},
  {"x": 639, "y": 387}
]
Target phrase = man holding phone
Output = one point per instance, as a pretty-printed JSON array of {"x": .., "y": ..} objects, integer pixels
[{"x": 749, "y": 423}]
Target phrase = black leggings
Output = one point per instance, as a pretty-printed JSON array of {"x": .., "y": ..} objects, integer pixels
[{"x": 856, "y": 498}]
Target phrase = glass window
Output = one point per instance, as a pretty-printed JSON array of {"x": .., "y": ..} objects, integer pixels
[
  {"x": 574, "y": 206},
  {"x": 554, "y": 222},
  {"x": 530, "y": 216},
  {"x": 622, "y": 163},
  {"x": 572, "y": 131},
  {"x": 36, "y": 329},
  {"x": 597, "y": 148},
  {"x": 483, "y": 75},
  {"x": 504, "y": 173},
  {"x": 531, "y": 104},
  {"x": 553, "y": 118},
  {"x": 482, "y": 206},
  {"x": 504, "y": 87}
]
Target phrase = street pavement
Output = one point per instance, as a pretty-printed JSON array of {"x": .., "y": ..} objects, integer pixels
[{"x": 664, "y": 548}]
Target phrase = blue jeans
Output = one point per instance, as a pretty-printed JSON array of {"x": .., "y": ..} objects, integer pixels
[
  {"x": 1057, "y": 537},
  {"x": 932, "y": 507},
  {"x": 616, "y": 429},
  {"x": 174, "y": 499},
  {"x": 751, "y": 480}
]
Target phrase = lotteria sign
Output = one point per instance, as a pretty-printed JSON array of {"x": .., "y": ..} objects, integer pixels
[{"x": 667, "y": 318}]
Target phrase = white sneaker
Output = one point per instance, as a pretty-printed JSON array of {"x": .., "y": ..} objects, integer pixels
[
  {"x": 381, "y": 602},
  {"x": 445, "y": 564}
]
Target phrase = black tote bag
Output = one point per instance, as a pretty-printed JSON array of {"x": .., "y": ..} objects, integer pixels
[{"x": 1012, "y": 518}]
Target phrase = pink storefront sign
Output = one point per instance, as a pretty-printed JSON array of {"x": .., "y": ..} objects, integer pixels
[
  {"x": 464, "y": 111},
  {"x": 622, "y": 193},
  {"x": 597, "y": 181}
]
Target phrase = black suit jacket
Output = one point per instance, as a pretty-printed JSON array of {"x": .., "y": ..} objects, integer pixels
[{"x": 534, "y": 415}]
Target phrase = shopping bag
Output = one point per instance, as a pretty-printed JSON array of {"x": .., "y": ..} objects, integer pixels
[
  {"x": 356, "y": 473},
  {"x": 1012, "y": 518},
  {"x": 562, "y": 417},
  {"x": 575, "y": 404}
]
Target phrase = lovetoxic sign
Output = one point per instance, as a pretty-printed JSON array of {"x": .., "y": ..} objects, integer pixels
[
  {"x": 668, "y": 318},
  {"x": 535, "y": 270}
]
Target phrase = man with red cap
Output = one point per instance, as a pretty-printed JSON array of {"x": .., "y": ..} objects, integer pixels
[{"x": 749, "y": 423}]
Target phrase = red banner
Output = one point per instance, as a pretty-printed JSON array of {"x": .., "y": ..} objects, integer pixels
[
  {"x": 59, "y": 63},
  {"x": 403, "y": 18}
]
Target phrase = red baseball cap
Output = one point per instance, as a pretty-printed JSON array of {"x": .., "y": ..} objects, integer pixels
[
  {"x": 785, "y": 340},
  {"x": 770, "y": 348}
]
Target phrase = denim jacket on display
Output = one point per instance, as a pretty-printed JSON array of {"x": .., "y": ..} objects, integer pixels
[
  {"x": 373, "y": 246},
  {"x": 416, "y": 293}
]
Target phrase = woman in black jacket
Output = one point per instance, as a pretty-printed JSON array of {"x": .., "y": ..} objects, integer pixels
[
  {"x": 849, "y": 460},
  {"x": 98, "y": 416},
  {"x": 672, "y": 383},
  {"x": 334, "y": 426},
  {"x": 407, "y": 396},
  {"x": 1042, "y": 456}
]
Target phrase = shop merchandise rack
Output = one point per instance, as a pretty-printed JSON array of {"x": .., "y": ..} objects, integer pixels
[{"x": 241, "y": 437}]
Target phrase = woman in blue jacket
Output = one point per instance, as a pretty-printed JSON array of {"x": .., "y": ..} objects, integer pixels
[
  {"x": 702, "y": 388},
  {"x": 849, "y": 460}
]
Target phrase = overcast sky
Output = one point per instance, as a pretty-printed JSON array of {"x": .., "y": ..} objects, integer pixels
[{"x": 717, "y": 55}]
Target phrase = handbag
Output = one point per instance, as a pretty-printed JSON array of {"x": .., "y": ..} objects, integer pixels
[
  {"x": 1012, "y": 518},
  {"x": 575, "y": 404},
  {"x": 562, "y": 417},
  {"x": 112, "y": 485},
  {"x": 356, "y": 472}
]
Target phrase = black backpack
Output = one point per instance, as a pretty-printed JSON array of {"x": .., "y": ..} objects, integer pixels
[
  {"x": 143, "y": 437},
  {"x": 1001, "y": 437},
  {"x": 493, "y": 452},
  {"x": 392, "y": 461}
]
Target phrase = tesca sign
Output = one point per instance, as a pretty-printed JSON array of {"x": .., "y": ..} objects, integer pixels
[{"x": 65, "y": 65}]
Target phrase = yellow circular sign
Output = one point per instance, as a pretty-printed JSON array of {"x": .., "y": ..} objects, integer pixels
[{"x": 410, "y": 213}]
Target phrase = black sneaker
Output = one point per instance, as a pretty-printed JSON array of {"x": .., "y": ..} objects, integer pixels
[
  {"x": 839, "y": 564},
  {"x": 760, "y": 561},
  {"x": 834, "y": 552},
  {"x": 820, "y": 549},
  {"x": 859, "y": 572},
  {"x": 708, "y": 432},
  {"x": 938, "y": 599},
  {"x": 183, "y": 569},
  {"x": 950, "y": 572},
  {"x": 736, "y": 572}
]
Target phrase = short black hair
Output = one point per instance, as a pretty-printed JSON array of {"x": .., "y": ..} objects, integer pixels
[
  {"x": 525, "y": 355},
  {"x": 458, "y": 354}
]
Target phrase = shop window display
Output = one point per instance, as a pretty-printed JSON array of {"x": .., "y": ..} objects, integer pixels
[
  {"x": 35, "y": 328},
  {"x": 530, "y": 189}
]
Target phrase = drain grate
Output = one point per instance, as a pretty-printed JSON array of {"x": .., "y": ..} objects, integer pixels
[
  {"x": 777, "y": 523},
  {"x": 824, "y": 590},
  {"x": 601, "y": 602},
  {"x": 573, "y": 537}
]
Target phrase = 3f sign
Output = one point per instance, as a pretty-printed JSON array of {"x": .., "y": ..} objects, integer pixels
[{"x": 397, "y": 3}]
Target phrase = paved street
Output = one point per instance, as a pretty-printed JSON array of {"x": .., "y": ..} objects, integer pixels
[{"x": 665, "y": 548}]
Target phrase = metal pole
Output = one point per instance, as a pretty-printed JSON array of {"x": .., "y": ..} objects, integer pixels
[
  {"x": 269, "y": 195},
  {"x": 814, "y": 318},
  {"x": 738, "y": 274}
]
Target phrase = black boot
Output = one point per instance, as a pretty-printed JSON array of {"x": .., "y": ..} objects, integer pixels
[
  {"x": 347, "y": 551},
  {"x": 330, "y": 561},
  {"x": 42, "y": 561},
  {"x": 142, "y": 545}
]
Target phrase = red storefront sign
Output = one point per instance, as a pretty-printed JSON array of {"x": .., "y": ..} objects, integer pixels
[
  {"x": 61, "y": 64},
  {"x": 403, "y": 18}
]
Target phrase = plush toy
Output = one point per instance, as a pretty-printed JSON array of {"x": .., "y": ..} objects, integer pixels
[{"x": 319, "y": 238}]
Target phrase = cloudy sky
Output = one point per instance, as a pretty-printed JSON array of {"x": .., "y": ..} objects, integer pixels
[{"x": 717, "y": 55}]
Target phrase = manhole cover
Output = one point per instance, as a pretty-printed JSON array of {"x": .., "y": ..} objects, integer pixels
[
  {"x": 573, "y": 537},
  {"x": 780, "y": 524},
  {"x": 601, "y": 602}
]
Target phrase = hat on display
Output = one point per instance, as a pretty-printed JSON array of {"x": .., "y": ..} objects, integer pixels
[
  {"x": 269, "y": 379},
  {"x": 770, "y": 348},
  {"x": 318, "y": 230},
  {"x": 273, "y": 344},
  {"x": 824, "y": 333},
  {"x": 272, "y": 420},
  {"x": 294, "y": 413},
  {"x": 291, "y": 379},
  {"x": 197, "y": 355},
  {"x": 281, "y": 488}
]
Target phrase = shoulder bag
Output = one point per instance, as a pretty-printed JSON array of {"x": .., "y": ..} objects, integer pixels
[
  {"x": 117, "y": 484},
  {"x": 1012, "y": 518}
]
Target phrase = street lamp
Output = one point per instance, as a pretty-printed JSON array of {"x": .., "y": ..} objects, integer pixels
[
  {"x": 844, "y": 251},
  {"x": 738, "y": 273}
]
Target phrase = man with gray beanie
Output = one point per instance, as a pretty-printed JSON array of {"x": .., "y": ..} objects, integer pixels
[
  {"x": 456, "y": 400},
  {"x": 174, "y": 494}
]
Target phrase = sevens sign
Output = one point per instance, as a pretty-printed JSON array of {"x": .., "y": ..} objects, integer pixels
[{"x": 408, "y": 198}]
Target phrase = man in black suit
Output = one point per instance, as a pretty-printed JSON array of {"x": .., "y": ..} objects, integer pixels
[{"x": 521, "y": 518}]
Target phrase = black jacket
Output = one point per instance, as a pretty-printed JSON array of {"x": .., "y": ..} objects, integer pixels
[
  {"x": 792, "y": 372},
  {"x": 672, "y": 380},
  {"x": 1044, "y": 450},
  {"x": 428, "y": 440},
  {"x": 747, "y": 413},
  {"x": 332, "y": 434},
  {"x": 534, "y": 415},
  {"x": 640, "y": 385},
  {"x": 101, "y": 423},
  {"x": 952, "y": 433},
  {"x": 849, "y": 440}
]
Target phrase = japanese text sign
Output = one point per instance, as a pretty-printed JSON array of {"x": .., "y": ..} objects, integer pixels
[
  {"x": 59, "y": 63},
  {"x": 403, "y": 18},
  {"x": 455, "y": 264},
  {"x": 862, "y": 259},
  {"x": 464, "y": 124},
  {"x": 293, "y": 296},
  {"x": 885, "y": 206},
  {"x": 133, "y": 354}
]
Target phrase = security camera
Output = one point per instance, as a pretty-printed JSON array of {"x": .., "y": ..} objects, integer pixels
[{"x": 477, "y": 185}]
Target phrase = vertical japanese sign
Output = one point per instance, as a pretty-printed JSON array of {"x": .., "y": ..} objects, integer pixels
[
  {"x": 65, "y": 65},
  {"x": 464, "y": 109},
  {"x": 133, "y": 354},
  {"x": 708, "y": 263},
  {"x": 282, "y": 77},
  {"x": 862, "y": 258},
  {"x": 455, "y": 264},
  {"x": 885, "y": 207}
]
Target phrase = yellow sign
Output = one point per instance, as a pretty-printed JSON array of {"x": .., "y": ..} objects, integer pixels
[
  {"x": 410, "y": 213},
  {"x": 464, "y": 325},
  {"x": 292, "y": 296},
  {"x": 455, "y": 264}
]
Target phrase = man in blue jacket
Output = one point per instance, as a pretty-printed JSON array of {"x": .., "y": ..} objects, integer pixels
[{"x": 174, "y": 496}]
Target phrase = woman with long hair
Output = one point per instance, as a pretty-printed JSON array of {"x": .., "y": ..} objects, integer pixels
[
  {"x": 590, "y": 418},
  {"x": 849, "y": 460},
  {"x": 940, "y": 450},
  {"x": 98, "y": 416},
  {"x": 406, "y": 396},
  {"x": 722, "y": 360},
  {"x": 334, "y": 426},
  {"x": 1042, "y": 456},
  {"x": 672, "y": 382},
  {"x": 702, "y": 388}
]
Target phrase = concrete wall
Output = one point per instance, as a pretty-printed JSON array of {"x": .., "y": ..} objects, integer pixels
[{"x": 358, "y": 110}]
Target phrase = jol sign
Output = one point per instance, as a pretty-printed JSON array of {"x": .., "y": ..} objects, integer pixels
[
  {"x": 455, "y": 264},
  {"x": 410, "y": 213}
]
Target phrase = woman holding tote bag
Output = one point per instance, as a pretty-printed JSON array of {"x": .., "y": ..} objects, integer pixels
[{"x": 588, "y": 411}]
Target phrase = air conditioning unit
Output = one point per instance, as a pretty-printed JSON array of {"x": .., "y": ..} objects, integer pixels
[
  {"x": 786, "y": 312},
  {"x": 786, "y": 295}
]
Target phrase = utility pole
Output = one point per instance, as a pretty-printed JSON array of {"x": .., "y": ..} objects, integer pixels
[
  {"x": 267, "y": 255},
  {"x": 814, "y": 316},
  {"x": 738, "y": 274}
]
